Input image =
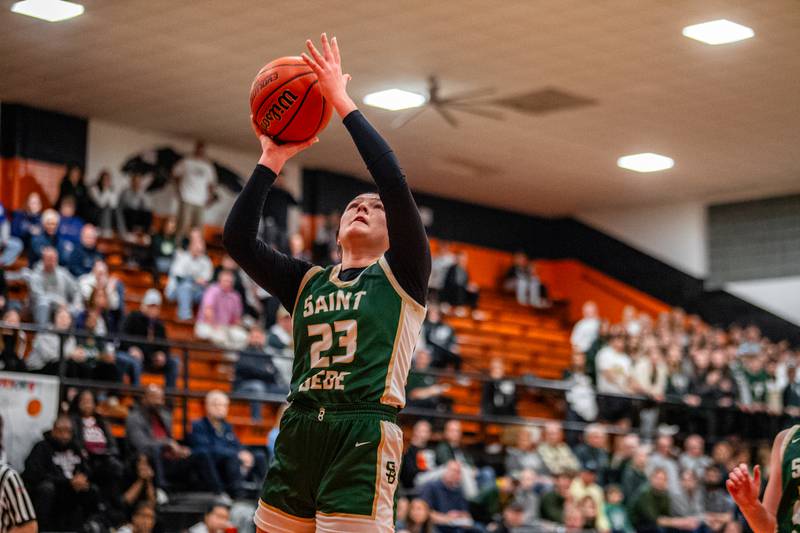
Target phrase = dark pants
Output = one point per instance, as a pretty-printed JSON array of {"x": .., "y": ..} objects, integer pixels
[
  {"x": 107, "y": 472},
  {"x": 59, "y": 508},
  {"x": 195, "y": 472},
  {"x": 137, "y": 218},
  {"x": 229, "y": 475}
]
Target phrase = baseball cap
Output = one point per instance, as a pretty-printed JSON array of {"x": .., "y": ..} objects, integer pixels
[{"x": 152, "y": 297}]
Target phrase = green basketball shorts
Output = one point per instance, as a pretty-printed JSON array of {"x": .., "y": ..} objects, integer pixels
[{"x": 335, "y": 469}]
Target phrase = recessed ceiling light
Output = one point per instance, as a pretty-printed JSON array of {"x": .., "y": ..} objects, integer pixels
[
  {"x": 718, "y": 32},
  {"x": 49, "y": 10},
  {"x": 394, "y": 99},
  {"x": 646, "y": 162}
]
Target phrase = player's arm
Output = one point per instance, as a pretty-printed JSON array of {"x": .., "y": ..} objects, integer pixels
[
  {"x": 744, "y": 489},
  {"x": 278, "y": 273},
  {"x": 409, "y": 253}
]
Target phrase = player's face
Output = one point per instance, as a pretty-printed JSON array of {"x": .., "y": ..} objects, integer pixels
[{"x": 363, "y": 223}]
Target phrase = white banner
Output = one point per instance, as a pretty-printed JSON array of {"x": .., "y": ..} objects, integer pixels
[{"x": 28, "y": 405}]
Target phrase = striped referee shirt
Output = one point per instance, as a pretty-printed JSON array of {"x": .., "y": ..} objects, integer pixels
[{"x": 15, "y": 505}]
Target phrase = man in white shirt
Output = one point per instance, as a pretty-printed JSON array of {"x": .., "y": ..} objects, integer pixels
[
  {"x": 586, "y": 329},
  {"x": 189, "y": 274},
  {"x": 614, "y": 377},
  {"x": 196, "y": 179}
]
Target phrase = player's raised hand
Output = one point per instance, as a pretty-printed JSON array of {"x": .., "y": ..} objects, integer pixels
[
  {"x": 743, "y": 488},
  {"x": 273, "y": 155},
  {"x": 327, "y": 65}
]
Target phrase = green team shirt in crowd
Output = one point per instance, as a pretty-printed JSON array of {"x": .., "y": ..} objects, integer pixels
[
  {"x": 788, "y": 515},
  {"x": 353, "y": 339}
]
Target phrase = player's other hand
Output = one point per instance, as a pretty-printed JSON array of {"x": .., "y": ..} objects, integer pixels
[
  {"x": 273, "y": 155},
  {"x": 327, "y": 65},
  {"x": 743, "y": 488}
]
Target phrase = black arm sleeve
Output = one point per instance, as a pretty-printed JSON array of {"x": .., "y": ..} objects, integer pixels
[
  {"x": 278, "y": 273},
  {"x": 409, "y": 253}
]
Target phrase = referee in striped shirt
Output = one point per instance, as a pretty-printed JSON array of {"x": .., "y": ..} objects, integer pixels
[{"x": 16, "y": 510}]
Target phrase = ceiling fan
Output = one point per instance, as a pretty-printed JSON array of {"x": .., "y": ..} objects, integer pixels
[{"x": 447, "y": 105}]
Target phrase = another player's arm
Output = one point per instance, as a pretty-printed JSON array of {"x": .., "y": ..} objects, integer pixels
[
  {"x": 409, "y": 253},
  {"x": 744, "y": 489},
  {"x": 276, "y": 272}
]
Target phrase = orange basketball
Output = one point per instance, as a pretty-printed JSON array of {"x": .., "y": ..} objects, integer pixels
[{"x": 286, "y": 102}]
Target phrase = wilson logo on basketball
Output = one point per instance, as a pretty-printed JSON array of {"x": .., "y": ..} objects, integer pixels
[
  {"x": 276, "y": 111},
  {"x": 261, "y": 84}
]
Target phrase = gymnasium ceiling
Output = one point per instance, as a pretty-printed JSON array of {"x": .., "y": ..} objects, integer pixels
[{"x": 729, "y": 115}]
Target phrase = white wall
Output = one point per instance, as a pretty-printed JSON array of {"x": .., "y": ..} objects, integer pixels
[
  {"x": 110, "y": 145},
  {"x": 677, "y": 235}
]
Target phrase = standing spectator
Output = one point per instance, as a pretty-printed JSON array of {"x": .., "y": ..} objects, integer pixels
[
  {"x": 17, "y": 514},
  {"x": 149, "y": 431},
  {"x": 791, "y": 394},
  {"x": 580, "y": 395},
  {"x": 440, "y": 339},
  {"x": 216, "y": 519},
  {"x": 213, "y": 436},
  {"x": 69, "y": 225},
  {"x": 423, "y": 390},
  {"x": 152, "y": 354},
  {"x": 48, "y": 237},
  {"x": 458, "y": 290},
  {"x": 105, "y": 199},
  {"x": 694, "y": 457},
  {"x": 556, "y": 455},
  {"x": 83, "y": 257},
  {"x": 651, "y": 512},
  {"x": 523, "y": 455},
  {"x": 418, "y": 457},
  {"x": 220, "y": 314},
  {"x": 587, "y": 329},
  {"x": 594, "y": 449},
  {"x": 196, "y": 179},
  {"x": 276, "y": 215},
  {"x": 27, "y": 223},
  {"x": 499, "y": 397},
  {"x": 72, "y": 185},
  {"x": 189, "y": 275},
  {"x": 449, "y": 507},
  {"x": 12, "y": 343},
  {"x": 10, "y": 246},
  {"x": 614, "y": 377},
  {"x": 51, "y": 285},
  {"x": 163, "y": 247},
  {"x": 553, "y": 502},
  {"x": 134, "y": 209},
  {"x": 649, "y": 378},
  {"x": 58, "y": 479},
  {"x": 255, "y": 373}
]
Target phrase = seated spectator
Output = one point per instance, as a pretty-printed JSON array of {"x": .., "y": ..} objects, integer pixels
[
  {"x": 418, "y": 519},
  {"x": 634, "y": 474},
  {"x": 451, "y": 446},
  {"x": 449, "y": 507},
  {"x": 72, "y": 185},
  {"x": 499, "y": 396},
  {"x": 98, "y": 358},
  {"x": 16, "y": 509},
  {"x": 69, "y": 225},
  {"x": 153, "y": 354},
  {"x": 694, "y": 457},
  {"x": 689, "y": 502},
  {"x": 85, "y": 254},
  {"x": 12, "y": 343},
  {"x": 440, "y": 339},
  {"x": 163, "y": 246},
  {"x": 44, "y": 354},
  {"x": 649, "y": 379},
  {"x": 189, "y": 275},
  {"x": 220, "y": 314},
  {"x": 99, "y": 278},
  {"x": 556, "y": 454},
  {"x": 51, "y": 286},
  {"x": 523, "y": 456},
  {"x": 440, "y": 264},
  {"x": 280, "y": 344},
  {"x": 134, "y": 209},
  {"x": 553, "y": 502},
  {"x": 624, "y": 449},
  {"x": 614, "y": 376},
  {"x": 586, "y": 484},
  {"x": 99, "y": 448},
  {"x": 249, "y": 302},
  {"x": 423, "y": 390},
  {"x": 143, "y": 519},
  {"x": 522, "y": 280},
  {"x": 717, "y": 502},
  {"x": 139, "y": 480},
  {"x": 512, "y": 519},
  {"x": 10, "y": 246},
  {"x": 213, "y": 436},
  {"x": 217, "y": 519},
  {"x": 593, "y": 449},
  {"x": 592, "y": 519},
  {"x": 27, "y": 223},
  {"x": 97, "y": 317},
  {"x": 650, "y": 511},
  {"x": 255, "y": 374},
  {"x": 458, "y": 291},
  {"x": 105, "y": 199},
  {"x": 616, "y": 513},
  {"x": 48, "y": 238},
  {"x": 587, "y": 329},
  {"x": 419, "y": 455},
  {"x": 662, "y": 458},
  {"x": 149, "y": 430},
  {"x": 57, "y": 477}
]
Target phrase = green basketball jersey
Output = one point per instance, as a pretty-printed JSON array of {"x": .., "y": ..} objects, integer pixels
[
  {"x": 353, "y": 340},
  {"x": 788, "y": 515}
]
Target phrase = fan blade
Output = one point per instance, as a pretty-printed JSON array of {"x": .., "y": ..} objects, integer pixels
[
  {"x": 402, "y": 120},
  {"x": 479, "y": 111},
  {"x": 446, "y": 115},
  {"x": 469, "y": 95}
]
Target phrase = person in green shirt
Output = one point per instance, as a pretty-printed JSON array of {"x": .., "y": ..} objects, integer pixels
[
  {"x": 616, "y": 513},
  {"x": 552, "y": 503},
  {"x": 650, "y": 510}
]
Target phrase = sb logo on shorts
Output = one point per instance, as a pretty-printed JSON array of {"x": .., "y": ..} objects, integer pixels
[{"x": 391, "y": 472}]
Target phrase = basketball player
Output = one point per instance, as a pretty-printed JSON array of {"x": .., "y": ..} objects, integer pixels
[
  {"x": 337, "y": 456},
  {"x": 779, "y": 511}
]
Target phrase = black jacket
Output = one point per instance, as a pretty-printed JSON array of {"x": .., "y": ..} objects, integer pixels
[
  {"x": 138, "y": 324},
  {"x": 49, "y": 459}
]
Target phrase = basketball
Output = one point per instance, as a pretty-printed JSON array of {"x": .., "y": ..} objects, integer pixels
[{"x": 286, "y": 102}]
